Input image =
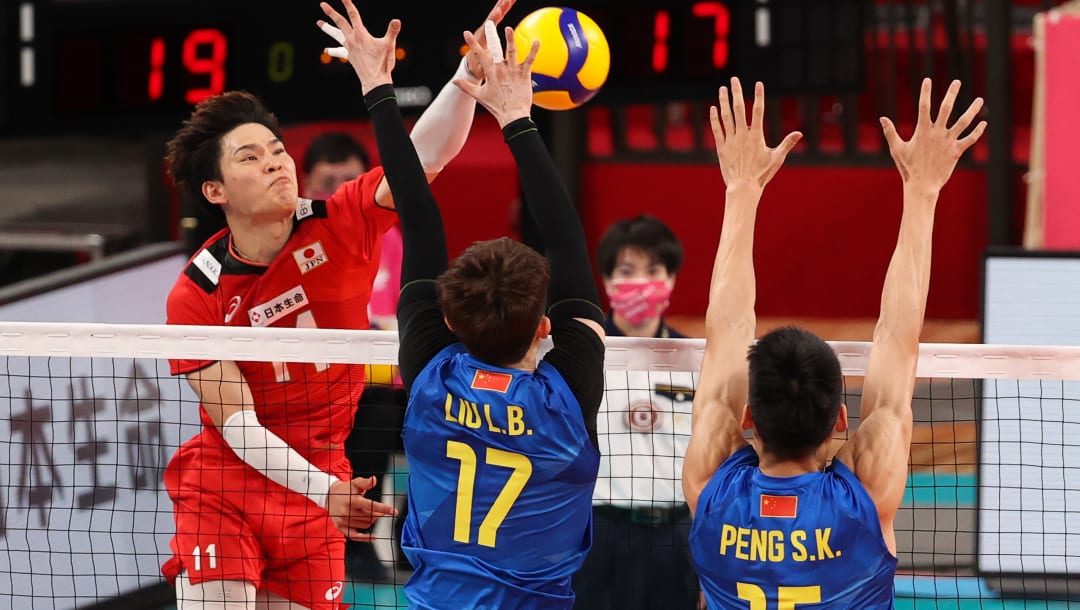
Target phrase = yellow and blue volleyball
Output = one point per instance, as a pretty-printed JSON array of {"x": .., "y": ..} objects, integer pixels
[{"x": 573, "y": 60}]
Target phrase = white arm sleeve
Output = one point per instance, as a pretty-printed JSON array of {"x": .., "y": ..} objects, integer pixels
[
  {"x": 267, "y": 452},
  {"x": 441, "y": 131}
]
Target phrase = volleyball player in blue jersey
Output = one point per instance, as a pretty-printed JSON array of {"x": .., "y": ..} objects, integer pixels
[
  {"x": 773, "y": 528},
  {"x": 501, "y": 444}
]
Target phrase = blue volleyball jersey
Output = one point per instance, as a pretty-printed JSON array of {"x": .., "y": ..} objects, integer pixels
[
  {"x": 501, "y": 475},
  {"x": 812, "y": 540}
]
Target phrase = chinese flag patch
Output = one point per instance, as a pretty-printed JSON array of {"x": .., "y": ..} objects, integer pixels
[
  {"x": 779, "y": 506},
  {"x": 487, "y": 380}
]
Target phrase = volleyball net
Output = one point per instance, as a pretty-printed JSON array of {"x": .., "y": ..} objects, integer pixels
[{"x": 90, "y": 416}]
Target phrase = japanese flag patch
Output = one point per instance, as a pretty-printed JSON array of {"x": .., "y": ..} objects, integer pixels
[{"x": 310, "y": 256}]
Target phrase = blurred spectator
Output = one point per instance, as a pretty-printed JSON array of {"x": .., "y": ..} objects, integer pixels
[{"x": 331, "y": 160}]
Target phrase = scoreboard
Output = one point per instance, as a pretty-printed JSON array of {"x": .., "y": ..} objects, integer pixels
[{"x": 121, "y": 65}]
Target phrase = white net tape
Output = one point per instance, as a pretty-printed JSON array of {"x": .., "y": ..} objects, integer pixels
[{"x": 936, "y": 360}]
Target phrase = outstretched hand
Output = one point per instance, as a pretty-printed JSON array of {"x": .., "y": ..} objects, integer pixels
[
  {"x": 507, "y": 88},
  {"x": 496, "y": 15},
  {"x": 351, "y": 511},
  {"x": 745, "y": 159},
  {"x": 372, "y": 58},
  {"x": 928, "y": 159},
  {"x": 472, "y": 59}
]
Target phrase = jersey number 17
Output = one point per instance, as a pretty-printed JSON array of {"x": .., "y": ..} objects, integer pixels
[{"x": 521, "y": 471}]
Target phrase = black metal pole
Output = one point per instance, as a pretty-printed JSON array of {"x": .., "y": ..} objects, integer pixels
[{"x": 999, "y": 168}]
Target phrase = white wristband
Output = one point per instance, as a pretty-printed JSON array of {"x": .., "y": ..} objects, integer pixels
[
  {"x": 441, "y": 131},
  {"x": 463, "y": 72},
  {"x": 269, "y": 454}
]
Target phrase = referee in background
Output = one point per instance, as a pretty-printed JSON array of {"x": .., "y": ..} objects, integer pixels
[{"x": 640, "y": 559}]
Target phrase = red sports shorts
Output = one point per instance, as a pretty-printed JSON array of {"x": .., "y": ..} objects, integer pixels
[{"x": 233, "y": 523}]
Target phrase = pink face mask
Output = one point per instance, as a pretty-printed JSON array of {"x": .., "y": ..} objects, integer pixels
[{"x": 639, "y": 300}]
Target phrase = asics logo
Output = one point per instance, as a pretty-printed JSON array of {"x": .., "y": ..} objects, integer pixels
[
  {"x": 333, "y": 592},
  {"x": 233, "y": 304}
]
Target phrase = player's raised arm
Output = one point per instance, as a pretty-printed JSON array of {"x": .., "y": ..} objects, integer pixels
[
  {"x": 442, "y": 129},
  {"x": 747, "y": 164},
  {"x": 507, "y": 94},
  {"x": 573, "y": 301},
  {"x": 878, "y": 451},
  {"x": 420, "y": 325}
]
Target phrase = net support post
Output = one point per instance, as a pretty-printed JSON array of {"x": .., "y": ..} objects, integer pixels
[{"x": 999, "y": 167}]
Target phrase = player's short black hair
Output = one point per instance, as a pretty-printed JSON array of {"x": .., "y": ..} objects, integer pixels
[
  {"x": 494, "y": 296},
  {"x": 194, "y": 153},
  {"x": 644, "y": 232},
  {"x": 796, "y": 388},
  {"x": 334, "y": 147}
]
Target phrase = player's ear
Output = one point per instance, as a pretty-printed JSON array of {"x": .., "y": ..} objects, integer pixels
[
  {"x": 214, "y": 192},
  {"x": 747, "y": 420},
  {"x": 448, "y": 324},
  {"x": 841, "y": 419},
  {"x": 544, "y": 329}
]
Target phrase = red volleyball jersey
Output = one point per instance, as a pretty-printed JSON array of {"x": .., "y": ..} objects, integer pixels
[{"x": 321, "y": 279}]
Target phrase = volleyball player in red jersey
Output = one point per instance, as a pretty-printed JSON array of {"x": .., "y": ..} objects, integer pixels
[{"x": 262, "y": 494}]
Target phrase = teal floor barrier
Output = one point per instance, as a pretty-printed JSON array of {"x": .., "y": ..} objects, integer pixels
[
  {"x": 964, "y": 593},
  {"x": 941, "y": 489},
  {"x": 912, "y": 593},
  {"x": 367, "y": 596}
]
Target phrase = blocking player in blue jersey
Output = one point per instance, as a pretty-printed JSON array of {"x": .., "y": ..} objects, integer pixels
[
  {"x": 501, "y": 444},
  {"x": 774, "y": 528}
]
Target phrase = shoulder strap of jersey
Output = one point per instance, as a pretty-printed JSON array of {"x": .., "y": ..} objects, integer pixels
[
  {"x": 214, "y": 260},
  {"x": 310, "y": 208}
]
